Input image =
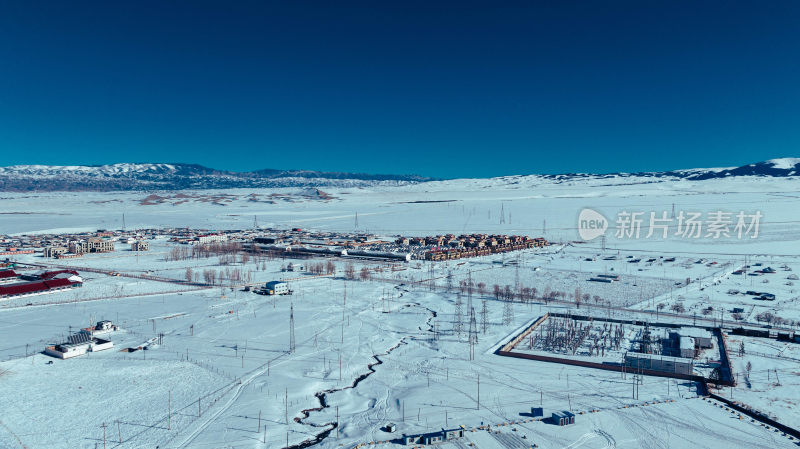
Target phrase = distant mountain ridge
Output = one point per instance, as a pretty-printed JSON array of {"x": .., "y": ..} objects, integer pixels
[
  {"x": 177, "y": 176},
  {"x": 779, "y": 168},
  {"x": 180, "y": 176}
]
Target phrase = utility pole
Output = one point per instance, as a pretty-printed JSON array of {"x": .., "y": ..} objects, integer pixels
[
  {"x": 169, "y": 410},
  {"x": 337, "y": 422},
  {"x": 259, "y": 421},
  {"x": 119, "y": 433},
  {"x": 291, "y": 328},
  {"x": 104, "y": 435},
  {"x": 479, "y": 391}
]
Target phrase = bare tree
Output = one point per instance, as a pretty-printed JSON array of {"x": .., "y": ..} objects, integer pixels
[
  {"x": 189, "y": 274},
  {"x": 365, "y": 274},
  {"x": 349, "y": 271}
]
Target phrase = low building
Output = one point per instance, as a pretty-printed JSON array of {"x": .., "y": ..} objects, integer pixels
[
  {"x": 276, "y": 288},
  {"x": 98, "y": 245},
  {"x": 16, "y": 251},
  {"x": 36, "y": 288},
  {"x": 101, "y": 328},
  {"x": 54, "y": 251},
  {"x": 7, "y": 276},
  {"x": 686, "y": 347},
  {"x": 68, "y": 256},
  {"x": 140, "y": 245},
  {"x": 433, "y": 437},
  {"x": 92, "y": 245},
  {"x": 209, "y": 238},
  {"x": 78, "y": 247},
  {"x": 702, "y": 337},
  {"x": 78, "y": 344},
  {"x": 563, "y": 418},
  {"x": 655, "y": 362}
]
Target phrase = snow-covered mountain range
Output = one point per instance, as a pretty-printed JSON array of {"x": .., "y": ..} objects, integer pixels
[{"x": 178, "y": 176}]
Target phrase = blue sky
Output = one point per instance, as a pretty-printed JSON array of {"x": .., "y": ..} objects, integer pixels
[{"x": 433, "y": 88}]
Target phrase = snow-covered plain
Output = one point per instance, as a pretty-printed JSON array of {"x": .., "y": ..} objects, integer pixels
[{"x": 224, "y": 358}]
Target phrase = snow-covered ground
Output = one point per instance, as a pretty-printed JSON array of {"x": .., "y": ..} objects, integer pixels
[{"x": 386, "y": 350}]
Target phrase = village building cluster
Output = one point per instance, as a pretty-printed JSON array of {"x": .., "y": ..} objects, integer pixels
[{"x": 450, "y": 246}]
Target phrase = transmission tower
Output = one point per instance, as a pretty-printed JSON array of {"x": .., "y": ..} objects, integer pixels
[
  {"x": 449, "y": 280},
  {"x": 484, "y": 317},
  {"x": 458, "y": 319},
  {"x": 473, "y": 334},
  {"x": 502, "y": 214},
  {"x": 356, "y": 224},
  {"x": 291, "y": 328},
  {"x": 255, "y": 221},
  {"x": 508, "y": 312}
]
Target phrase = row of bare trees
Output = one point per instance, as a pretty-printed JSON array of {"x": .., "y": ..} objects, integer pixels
[
  {"x": 224, "y": 250},
  {"x": 322, "y": 268},
  {"x": 217, "y": 277}
]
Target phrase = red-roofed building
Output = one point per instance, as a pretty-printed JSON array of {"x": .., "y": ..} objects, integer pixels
[
  {"x": 8, "y": 276},
  {"x": 35, "y": 288}
]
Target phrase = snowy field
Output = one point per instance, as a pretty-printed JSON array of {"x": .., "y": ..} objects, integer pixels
[{"x": 389, "y": 349}]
